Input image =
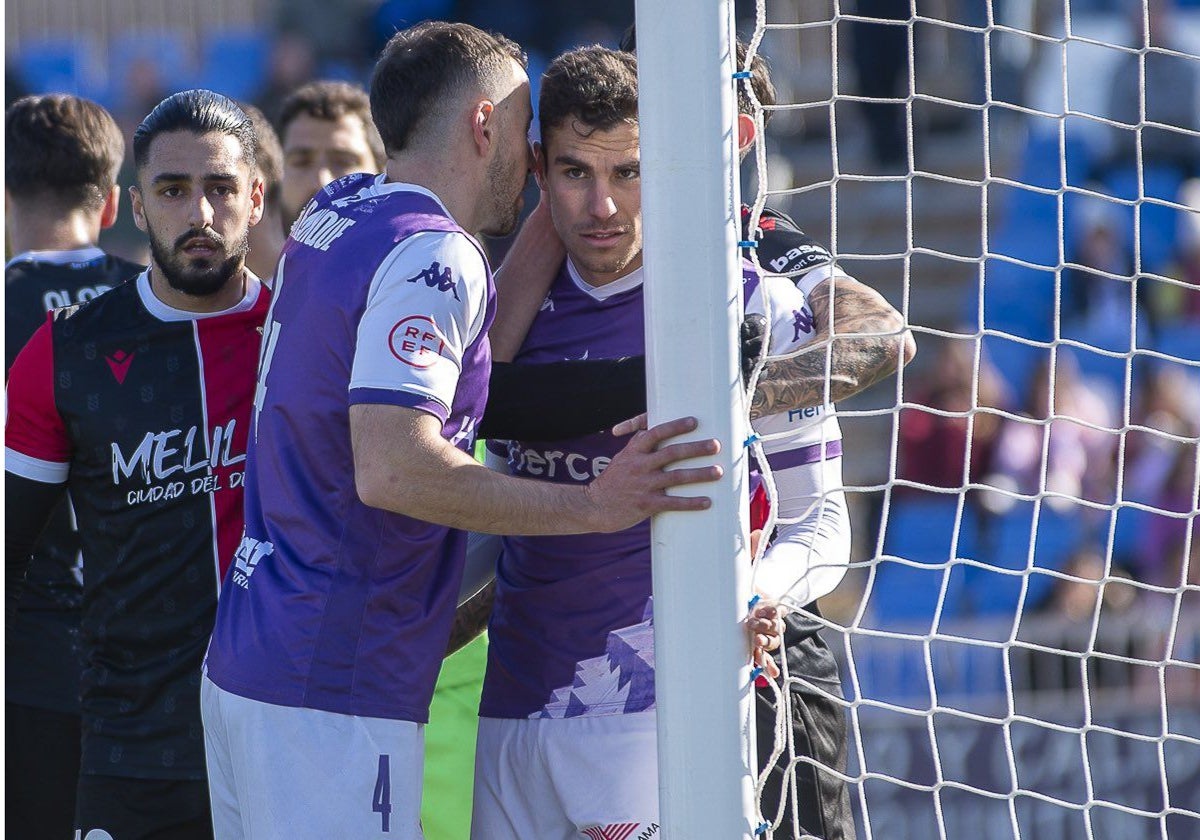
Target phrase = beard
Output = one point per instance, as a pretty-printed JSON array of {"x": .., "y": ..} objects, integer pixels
[
  {"x": 508, "y": 183},
  {"x": 199, "y": 276}
]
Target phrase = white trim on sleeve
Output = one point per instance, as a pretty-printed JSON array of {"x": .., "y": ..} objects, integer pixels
[{"x": 35, "y": 469}]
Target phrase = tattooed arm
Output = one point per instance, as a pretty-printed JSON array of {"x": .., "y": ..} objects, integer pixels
[
  {"x": 471, "y": 618},
  {"x": 869, "y": 342}
]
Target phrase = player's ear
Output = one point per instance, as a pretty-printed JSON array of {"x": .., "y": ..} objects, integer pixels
[
  {"x": 747, "y": 131},
  {"x": 257, "y": 200},
  {"x": 483, "y": 124},
  {"x": 539, "y": 165},
  {"x": 139, "y": 210},
  {"x": 112, "y": 206}
]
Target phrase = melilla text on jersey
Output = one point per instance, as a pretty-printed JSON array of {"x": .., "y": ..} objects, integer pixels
[{"x": 162, "y": 459}]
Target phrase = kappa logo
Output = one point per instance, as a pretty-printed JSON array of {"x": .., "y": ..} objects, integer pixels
[
  {"x": 802, "y": 321},
  {"x": 119, "y": 363},
  {"x": 547, "y": 304},
  {"x": 621, "y": 831},
  {"x": 439, "y": 278}
]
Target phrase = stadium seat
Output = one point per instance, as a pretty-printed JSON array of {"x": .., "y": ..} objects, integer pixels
[
  {"x": 992, "y": 593},
  {"x": 1159, "y": 224},
  {"x": 164, "y": 49},
  {"x": 59, "y": 65},
  {"x": 919, "y": 529},
  {"x": 233, "y": 62}
]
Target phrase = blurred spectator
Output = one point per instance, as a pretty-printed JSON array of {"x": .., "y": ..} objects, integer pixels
[
  {"x": 267, "y": 238},
  {"x": 1076, "y": 600},
  {"x": 293, "y": 62},
  {"x": 14, "y": 85},
  {"x": 881, "y": 57},
  {"x": 1079, "y": 462},
  {"x": 1173, "y": 303},
  {"x": 336, "y": 32},
  {"x": 933, "y": 447},
  {"x": 327, "y": 132},
  {"x": 1171, "y": 95},
  {"x": 1161, "y": 561}
]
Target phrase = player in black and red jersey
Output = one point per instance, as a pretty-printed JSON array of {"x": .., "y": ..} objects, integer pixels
[
  {"x": 62, "y": 157},
  {"x": 138, "y": 402}
]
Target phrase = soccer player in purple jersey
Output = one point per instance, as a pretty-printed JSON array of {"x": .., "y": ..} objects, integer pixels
[
  {"x": 567, "y": 731},
  {"x": 867, "y": 342},
  {"x": 62, "y": 156},
  {"x": 337, "y": 610}
]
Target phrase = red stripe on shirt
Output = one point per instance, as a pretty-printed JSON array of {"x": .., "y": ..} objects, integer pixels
[
  {"x": 230, "y": 346},
  {"x": 34, "y": 427}
]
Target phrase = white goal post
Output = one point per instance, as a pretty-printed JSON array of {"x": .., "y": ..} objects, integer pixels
[{"x": 690, "y": 209}]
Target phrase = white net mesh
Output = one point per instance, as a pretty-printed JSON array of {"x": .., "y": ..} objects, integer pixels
[{"x": 1018, "y": 636}]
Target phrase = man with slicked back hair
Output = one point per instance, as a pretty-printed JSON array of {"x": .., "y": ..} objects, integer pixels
[{"x": 137, "y": 401}]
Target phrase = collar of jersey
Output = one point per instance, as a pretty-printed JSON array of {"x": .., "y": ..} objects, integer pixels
[
  {"x": 169, "y": 313},
  {"x": 628, "y": 283},
  {"x": 87, "y": 254},
  {"x": 383, "y": 186}
]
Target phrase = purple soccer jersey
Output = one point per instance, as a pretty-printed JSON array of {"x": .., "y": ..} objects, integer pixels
[
  {"x": 380, "y": 298},
  {"x": 572, "y": 630}
]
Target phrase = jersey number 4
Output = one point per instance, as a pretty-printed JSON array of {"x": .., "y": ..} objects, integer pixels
[{"x": 381, "y": 802}]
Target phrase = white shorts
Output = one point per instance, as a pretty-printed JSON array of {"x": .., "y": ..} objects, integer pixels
[
  {"x": 284, "y": 773},
  {"x": 564, "y": 779}
]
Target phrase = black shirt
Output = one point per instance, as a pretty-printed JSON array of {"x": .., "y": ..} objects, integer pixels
[
  {"x": 143, "y": 412},
  {"x": 41, "y": 646}
]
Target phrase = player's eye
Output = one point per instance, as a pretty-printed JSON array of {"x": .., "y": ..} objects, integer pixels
[
  {"x": 223, "y": 190},
  {"x": 171, "y": 192},
  {"x": 630, "y": 173},
  {"x": 574, "y": 172}
]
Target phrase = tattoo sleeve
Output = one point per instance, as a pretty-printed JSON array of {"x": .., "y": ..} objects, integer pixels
[
  {"x": 471, "y": 618},
  {"x": 867, "y": 343}
]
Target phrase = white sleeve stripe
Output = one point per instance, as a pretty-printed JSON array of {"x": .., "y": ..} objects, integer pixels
[
  {"x": 35, "y": 469},
  {"x": 818, "y": 276}
]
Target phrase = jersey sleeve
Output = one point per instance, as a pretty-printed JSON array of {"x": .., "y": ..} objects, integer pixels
[
  {"x": 785, "y": 249},
  {"x": 36, "y": 445},
  {"x": 426, "y": 304}
]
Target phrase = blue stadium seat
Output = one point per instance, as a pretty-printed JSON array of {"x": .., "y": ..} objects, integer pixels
[
  {"x": 1059, "y": 534},
  {"x": 1159, "y": 224},
  {"x": 233, "y": 62},
  {"x": 919, "y": 529},
  {"x": 58, "y": 65}
]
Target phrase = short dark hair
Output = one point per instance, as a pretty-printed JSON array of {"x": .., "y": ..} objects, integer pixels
[
  {"x": 268, "y": 156},
  {"x": 62, "y": 150},
  {"x": 759, "y": 81},
  {"x": 425, "y": 65},
  {"x": 327, "y": 100},
  {"x": 595, "y": 86},
  {"x": 200, "y": 112}
]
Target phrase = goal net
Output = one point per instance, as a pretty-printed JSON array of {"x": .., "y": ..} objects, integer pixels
[{"x": 1018, "y": 635}]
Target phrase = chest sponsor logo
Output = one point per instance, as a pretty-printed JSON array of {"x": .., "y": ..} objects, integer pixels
[
  {"x": 249, "y": 554},
  {"x": 321, "y": 229},
  {"x": 118, "y": 363},
  {"x": 437, "y": 277},
  {"x": 555, "y": 463},
  {"x": 166, "y": 463},
  {"x": 416, "y": 342}
]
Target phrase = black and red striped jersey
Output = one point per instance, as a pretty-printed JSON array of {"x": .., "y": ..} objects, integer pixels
[
  {"x": 41, "y": 656},
  {"x": 142, "y": 411}
]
